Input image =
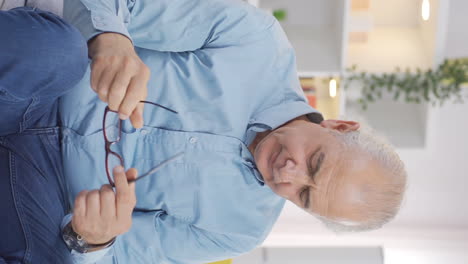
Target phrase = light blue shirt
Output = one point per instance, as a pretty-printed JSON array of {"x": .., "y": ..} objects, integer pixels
[{"x": 229, "y": 71}]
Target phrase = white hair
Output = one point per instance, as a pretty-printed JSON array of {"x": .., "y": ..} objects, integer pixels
[{"x": 380, "y": 205}]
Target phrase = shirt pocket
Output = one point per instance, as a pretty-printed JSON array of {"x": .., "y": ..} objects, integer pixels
[{"x": 173, "y": 189}]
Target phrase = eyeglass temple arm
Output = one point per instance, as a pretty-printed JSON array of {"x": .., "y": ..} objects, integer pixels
[
  {"x": 167, "y": 108},
  {"x": 155, "y": 169}
]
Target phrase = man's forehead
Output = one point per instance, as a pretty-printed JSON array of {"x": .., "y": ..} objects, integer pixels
[
  {"x": 342, "y": 189},
  {"x": 327, "y": 182}
]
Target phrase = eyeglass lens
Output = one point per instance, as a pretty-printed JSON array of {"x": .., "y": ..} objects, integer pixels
[{"x": 112, "y": 126}]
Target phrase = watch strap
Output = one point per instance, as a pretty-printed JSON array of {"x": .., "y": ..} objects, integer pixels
[{"x": 75, "y": 242}]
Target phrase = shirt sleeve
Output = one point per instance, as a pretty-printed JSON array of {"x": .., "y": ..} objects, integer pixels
[
  {"x": 169, "y": 25},
  {"x": 190, "y": 25},
  {"x": 93, "y": 17},
  {"x": 168, "y": 239},
  {"x": 84, "y": 258}
]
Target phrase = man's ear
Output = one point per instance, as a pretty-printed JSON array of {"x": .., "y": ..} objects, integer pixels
[{"x": 340, "y": 125}]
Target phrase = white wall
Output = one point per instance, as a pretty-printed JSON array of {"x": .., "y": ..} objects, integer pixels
[
  {"x": 404, "y": 125},
  {"x": 305, "y": 12},
  {"x": 315, "y": 32},
  {"x": 317, "y": 49},
  {"x": 429, "y": 30},
  {"x": 457, "y": 33}
]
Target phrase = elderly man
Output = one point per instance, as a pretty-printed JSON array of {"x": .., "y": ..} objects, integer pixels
[{"x": 249, "y": 138}]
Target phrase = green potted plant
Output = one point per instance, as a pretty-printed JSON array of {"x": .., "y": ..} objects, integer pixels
[
  {"x": 280, "y": 14},
  {"x": 429, "y": 86}
]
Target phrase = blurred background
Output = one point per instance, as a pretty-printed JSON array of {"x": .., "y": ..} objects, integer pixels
[{"x": 408, "y": 79}]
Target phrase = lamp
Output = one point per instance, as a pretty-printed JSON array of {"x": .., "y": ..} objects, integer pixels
[
  {"x": 332, "y": 88},
  {"x": 425, "y": 10}
]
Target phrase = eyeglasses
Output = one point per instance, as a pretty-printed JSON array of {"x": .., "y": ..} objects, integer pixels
[{"x": 112, "y": 130}]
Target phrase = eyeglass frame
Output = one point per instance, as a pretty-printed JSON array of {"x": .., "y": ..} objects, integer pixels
[{"x": 108, "y": 145}]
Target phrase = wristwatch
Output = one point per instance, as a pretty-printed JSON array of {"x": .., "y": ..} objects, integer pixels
[{"x": 75, "y": 242}]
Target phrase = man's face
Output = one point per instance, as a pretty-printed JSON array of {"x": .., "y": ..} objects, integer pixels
[{"x": 304, "y": 163}]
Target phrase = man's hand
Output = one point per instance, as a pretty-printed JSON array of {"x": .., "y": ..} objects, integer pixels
[
  {"x": 101, "y": 215},
  {"x": 118, "y": 75}
]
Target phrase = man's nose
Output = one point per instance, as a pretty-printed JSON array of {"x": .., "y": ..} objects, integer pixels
[{"x": 290, "y": 173}]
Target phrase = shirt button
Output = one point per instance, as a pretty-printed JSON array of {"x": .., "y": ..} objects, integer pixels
[
  {"x": 144, "y": 132},
  {"x": 193, "y": 140}
]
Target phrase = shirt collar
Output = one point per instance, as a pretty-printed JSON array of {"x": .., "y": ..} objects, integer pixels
[
  {"x": 249, "y": 161},
  {"x": 276, "y": 116}
]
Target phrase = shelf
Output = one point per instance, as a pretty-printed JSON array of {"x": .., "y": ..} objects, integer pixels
[
  {"x": 316, "y": 30},
  {"x": 329, "y": 106},
  {"x": 317, "y": 49},
  {"x": 388, "y": 48},
  {"x": 393, "y": 34}
]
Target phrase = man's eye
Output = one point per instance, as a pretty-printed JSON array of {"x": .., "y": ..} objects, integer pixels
[
  {"x": 305, "y": 197},
  {"x": 311, "y": 171}
]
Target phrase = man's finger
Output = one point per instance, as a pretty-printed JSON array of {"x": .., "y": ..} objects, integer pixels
[
  {"x": 107, "y": 196},
  {"x": 132, "y": 174},
  {"x": 96, "y": 70},
  {"x": 93, "y": 205},
  {"x": 119, "y": 90},
  {"x": 125, "y": 194},
  {"x": 79, "y": 209},
  {"x": 137, "y": 116},
  {"x": 122, "y": 190},
  {"x": 135, "y": 93},
  {"x": 105, "y": 80},
  {"x": 120, "y": 179}
]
